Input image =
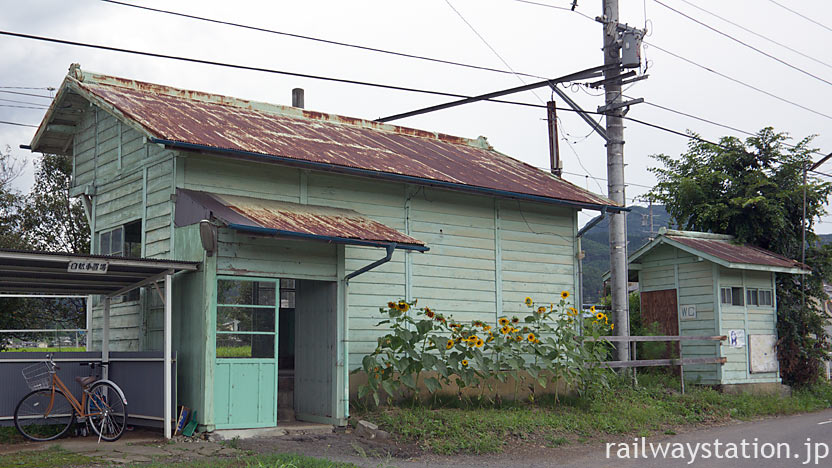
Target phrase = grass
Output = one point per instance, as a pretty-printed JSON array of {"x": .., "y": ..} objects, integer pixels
[
  {"x": 53, "y": 457},
  {"x": 9, "y": 435},
  {"x": 43, "y": 350},
  {"x": 283, "y": 460},
  {"x": 457, "y": 426},
  {"x": 233, "y": 351}
]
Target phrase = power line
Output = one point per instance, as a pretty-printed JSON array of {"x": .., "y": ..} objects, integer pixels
[
  {"x": 18, "y": 124},
  {"x": 21, "y": 107},
  {"x": 757, "y": 34},
  {"x": 315, "y": 39},
  {"x": 743, "y": 43},
  {"x": 251, "y": 68},
  {"x": 25, "y": 94},
  {"x": 304, "y": 75},
  {"x": 556, "y": 8},
  {"x": 25, "y": 102},
  {"x": 735, "y": 80},
  {"x": 802, "y": 16},
  {"x": 48, "y": 88}
]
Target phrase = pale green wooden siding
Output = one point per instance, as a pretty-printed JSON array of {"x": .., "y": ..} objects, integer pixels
[
  {"x": 537, "y": 255},
  {"x": 696, "y": 287},
  {"x": 733, "y": 318},
  {"x": 131, "y": 181},
  {"x": 242, "y": 254},
  {"x": 457, "y": 276},
  {"x": 754, "y": 320}
]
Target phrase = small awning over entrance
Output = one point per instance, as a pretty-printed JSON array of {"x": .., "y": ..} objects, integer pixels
[
  {"x": 33, "y": 272},
  {"x": 292, "y": 220}
]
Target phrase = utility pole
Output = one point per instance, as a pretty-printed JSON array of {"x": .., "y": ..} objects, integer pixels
[
  {"x": 555, "y": 164},
  {"x": 615, "y": 175}
]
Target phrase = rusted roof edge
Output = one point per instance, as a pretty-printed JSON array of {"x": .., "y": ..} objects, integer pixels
[
  {"x": 390, "y": 176},
  {"x": 333, "y": 239}
]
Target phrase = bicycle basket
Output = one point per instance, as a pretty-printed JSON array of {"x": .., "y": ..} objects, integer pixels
[{"x": 38, "y": 376}]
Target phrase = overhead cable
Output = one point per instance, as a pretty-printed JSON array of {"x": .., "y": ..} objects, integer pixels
[{"x": 759, "y": 51}]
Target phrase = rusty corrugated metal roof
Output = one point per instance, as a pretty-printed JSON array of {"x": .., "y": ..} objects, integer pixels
[
  {"x": 732, "y": 252},
  {"x": 231, "y": 124},
  {"x": 292, "y": 219}
]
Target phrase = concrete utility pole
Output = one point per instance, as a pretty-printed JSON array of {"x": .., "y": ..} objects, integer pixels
[{"x": 615, "y": 176}]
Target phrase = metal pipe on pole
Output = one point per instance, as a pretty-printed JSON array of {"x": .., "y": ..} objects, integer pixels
[{"x": 615, "y": 175}]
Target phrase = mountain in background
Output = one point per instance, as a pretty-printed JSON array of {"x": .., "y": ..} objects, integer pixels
[{"x": 596, "y": 244}]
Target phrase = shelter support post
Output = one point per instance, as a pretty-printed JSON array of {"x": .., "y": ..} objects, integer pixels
[
  {"x": 168, "y": 351},
  {"x": 105, "y": 340}
]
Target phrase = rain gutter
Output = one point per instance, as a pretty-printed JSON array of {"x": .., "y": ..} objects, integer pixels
[
  {"x": 389, "y": 176},
  {"x": 390, "y": 249}
]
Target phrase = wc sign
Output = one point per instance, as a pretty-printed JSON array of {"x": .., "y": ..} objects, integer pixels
[{"x": 688, "y": 312}]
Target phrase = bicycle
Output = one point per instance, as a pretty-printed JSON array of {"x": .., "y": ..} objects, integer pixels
[{"x": 50, "y": 409}]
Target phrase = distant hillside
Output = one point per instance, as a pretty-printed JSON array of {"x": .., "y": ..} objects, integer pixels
[{"x": 597, "y": 247}]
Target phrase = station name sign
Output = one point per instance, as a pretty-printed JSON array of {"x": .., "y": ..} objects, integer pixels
[{"x": 96, "y": 267}]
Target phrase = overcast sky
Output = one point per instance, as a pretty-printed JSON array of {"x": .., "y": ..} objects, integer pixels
[{"x": 530, "y": 38}]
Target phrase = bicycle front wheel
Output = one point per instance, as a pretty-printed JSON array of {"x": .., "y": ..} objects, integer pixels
[
  {"x": 106, "y": 411},
  {"x": 44, "y": 415}
]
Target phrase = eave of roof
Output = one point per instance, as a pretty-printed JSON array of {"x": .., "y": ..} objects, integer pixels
[
  {"x": 188, "y": 120},
  {"x": 721, "y": 250}
]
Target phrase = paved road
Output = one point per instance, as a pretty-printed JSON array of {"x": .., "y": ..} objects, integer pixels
[{"x": 792, "y": 431}]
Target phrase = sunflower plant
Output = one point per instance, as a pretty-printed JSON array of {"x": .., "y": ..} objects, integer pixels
[{"x": 546, "y": 345}]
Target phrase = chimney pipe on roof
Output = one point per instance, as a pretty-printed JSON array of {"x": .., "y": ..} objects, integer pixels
[{"x": 297, "y": 97}]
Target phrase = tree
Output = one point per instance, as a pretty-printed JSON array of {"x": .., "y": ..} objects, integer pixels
[
  {"x": 45, "y": 219},
  {"x": 11, "y": 202},
  {"x": 754, "y": 190},
  {"x": 52, "y": 220}
]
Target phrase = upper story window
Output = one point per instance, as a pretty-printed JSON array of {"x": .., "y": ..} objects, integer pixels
[{"x": 123, "y": 241}]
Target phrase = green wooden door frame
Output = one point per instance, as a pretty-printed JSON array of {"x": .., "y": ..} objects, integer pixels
[{"x": 249, "y": 362}]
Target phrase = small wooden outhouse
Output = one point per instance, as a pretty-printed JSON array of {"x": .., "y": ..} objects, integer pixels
[{"x": 701, "y": 284}]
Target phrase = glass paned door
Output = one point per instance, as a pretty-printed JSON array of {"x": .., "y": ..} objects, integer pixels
[{"x": 245, "y": 376}]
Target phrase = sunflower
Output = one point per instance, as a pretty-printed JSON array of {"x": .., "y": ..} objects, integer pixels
[
  {"x": 486, "y": 328},
  {"x": 531, "y": 337},
  {"x": 528, "y": 301},
  {"x": 612, "y": 326},
  {"x": 391, "y": 305},
  {"x": 518, "y": 338},
  {"x": 503, "y": 321},
  {"x": 464, "y": 363},
  {"x": 490, "y": 336},
  {"x": 525, "y": 329},
  {"x": 403, "y": 306},
  {"x": 429, "y": 312},
  {"x": 505, "y": 330},
  {"x": 564, "y": 294},
  {"x": 600, "y": 316},
  {"x": 515, "y": 319},
  {"x": 477, "y": 323},
  {"x": 592, "y": 309},
  {"x": 479, "y": 343},
  {"x": 515, "y": 330},
  {"x": 449, "y": 344},
  {"x": 472, "y": 338},
  {"x": 541, "y": 309},
  {"x": 572, "y": 312}
]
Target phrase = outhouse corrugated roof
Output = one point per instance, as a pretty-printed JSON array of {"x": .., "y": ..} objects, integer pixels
[
  {"x": 207, "y": 122},
  {"x": 724, "y": 250}
]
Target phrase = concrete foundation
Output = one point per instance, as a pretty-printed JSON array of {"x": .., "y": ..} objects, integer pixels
[{"x": 770, "y": 388}]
